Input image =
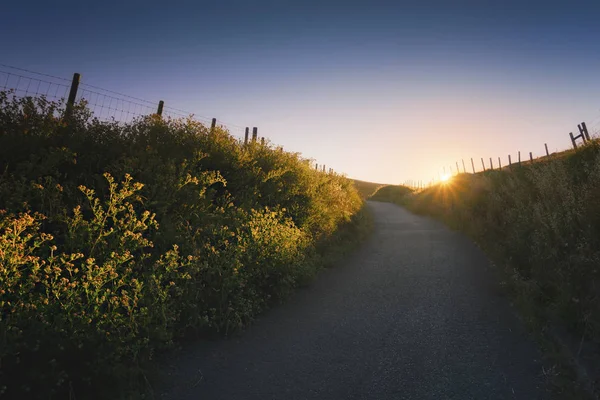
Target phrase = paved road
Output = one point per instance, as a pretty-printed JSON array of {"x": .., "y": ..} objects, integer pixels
[{"x": 413, "y": 314}]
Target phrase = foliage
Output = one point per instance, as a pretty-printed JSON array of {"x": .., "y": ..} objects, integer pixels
[
  {"x": 117, "y": 239},
  {"x": 544, "y": 221}
]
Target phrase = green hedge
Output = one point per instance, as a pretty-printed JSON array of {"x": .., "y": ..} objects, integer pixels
[{"x": 116, "y": 239}]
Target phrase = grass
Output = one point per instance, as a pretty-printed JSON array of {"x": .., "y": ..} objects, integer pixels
[
  {"x": 540, "y": 223},
  {"x": 118, "y": 240},
  {"x": 391, "y": 193},
  {"x": 366, "y": 189}
]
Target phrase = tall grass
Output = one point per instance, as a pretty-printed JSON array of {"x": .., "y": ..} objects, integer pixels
[
  {"x": 544, "y": 221},
  {"x": 116, "y": 240}
]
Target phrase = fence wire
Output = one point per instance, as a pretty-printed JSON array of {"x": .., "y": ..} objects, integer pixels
[
  {"x": 22, "y": 85},
  {"x": 105, "y": 105}
]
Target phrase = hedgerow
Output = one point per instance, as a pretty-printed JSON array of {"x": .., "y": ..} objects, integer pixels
[{"x": 117, "y": 239}]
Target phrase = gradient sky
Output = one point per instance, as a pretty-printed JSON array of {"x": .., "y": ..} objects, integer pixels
[{"x": 384, "y": 91}]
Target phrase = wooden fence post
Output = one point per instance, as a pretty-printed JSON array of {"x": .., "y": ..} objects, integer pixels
[
  {"x": 246, "y": 134},
  {"x": 572, "y": 140},
  {"x": 74, "y": 87},
  {"x": 482, "y": 164},
  {"x": 323, "y": 167},
  {"x": 584, "y": 131},
  {"x": 317, "y": 166},
  {"x": 464, "y": 168},
  {"x": 472, "y": 165},
  {"x": 457, "y": 169},
  {"x": 72, "y": 93},
  {"x": 499, "y": 163},
  {"x": 254, "y": 134},
  {"x": 546, "y": 146},
  {"x": 519, "y": 158},
  {"x": 161, "y": 104},
  {"x": 213, "y": 124},
  {"x": 530, "y": 157},
  {"x": 491, "y": 164}
]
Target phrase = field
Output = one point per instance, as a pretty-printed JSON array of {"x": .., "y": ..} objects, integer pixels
[{"x": 117, "y": 240}]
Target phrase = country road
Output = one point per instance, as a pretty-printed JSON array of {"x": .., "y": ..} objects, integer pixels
[{"x": 415, "y": 313}]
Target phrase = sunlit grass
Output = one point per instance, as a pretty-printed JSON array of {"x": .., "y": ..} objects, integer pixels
[{"x": 543, "y": 219}]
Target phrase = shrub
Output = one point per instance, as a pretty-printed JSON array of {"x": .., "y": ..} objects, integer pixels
[{"x": 117, "y": 239}]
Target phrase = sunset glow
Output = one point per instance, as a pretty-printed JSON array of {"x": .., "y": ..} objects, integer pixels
[{"x": 382, "y": 91}]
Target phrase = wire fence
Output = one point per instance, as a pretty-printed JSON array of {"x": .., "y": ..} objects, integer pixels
[
  {"x": 22, "y": 85},
  {"x": 587, "y": 131},
  {"x": 105, "y": 105}
]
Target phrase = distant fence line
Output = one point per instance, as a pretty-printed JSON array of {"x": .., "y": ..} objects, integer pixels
[
  {"x": 108, "y": 105},
  {"x": 583, "y": 137}
]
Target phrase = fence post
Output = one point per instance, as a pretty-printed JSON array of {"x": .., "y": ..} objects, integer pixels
[
  {"x": 262, "y": 141},
  {"x": 482, "y": 164},
  {"x": 584, "y": 131},
  {"x": 254, "y": 134},
  {"x": 213, "y": 124},
  {"x": 499, "y": 163},
  {"x": 530, "y": 157},
  {"x": 464, "y": 168},
  {"x": 546, "y": 146},
  {"x": 472, "y": 165},
  {"x": 323, "y": 167},
  {"x": 317, "y": 166},
  {"x": 457, "y": 169},
  {"x": 74, "y": 87},
  {"x": 73, "y": 93},
  {"x": 161, "y": 104},
  {"x": 573, "y": 140},
  {"x": 246, "y": 135},
  {"x": 491, "y": 164},
  {"x": 519, "y": 158},
  {"x": 509, "y": 162}
]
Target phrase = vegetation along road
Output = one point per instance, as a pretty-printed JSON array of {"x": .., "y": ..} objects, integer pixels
[{"x": 414, "y": 314}]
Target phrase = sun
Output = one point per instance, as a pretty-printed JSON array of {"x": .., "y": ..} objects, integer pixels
[{"x": 445, "y": 178}]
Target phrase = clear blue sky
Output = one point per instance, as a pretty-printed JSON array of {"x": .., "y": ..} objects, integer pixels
[{"x": 380, "y": 90}]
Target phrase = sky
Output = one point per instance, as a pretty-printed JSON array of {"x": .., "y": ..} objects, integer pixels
[{"x": 383, "y": 91}]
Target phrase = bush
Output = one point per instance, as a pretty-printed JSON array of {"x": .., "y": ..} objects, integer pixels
[{"x": 117, "y": 239}]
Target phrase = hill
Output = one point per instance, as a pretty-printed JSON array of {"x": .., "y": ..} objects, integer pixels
[{"x": 366, "y": 189}]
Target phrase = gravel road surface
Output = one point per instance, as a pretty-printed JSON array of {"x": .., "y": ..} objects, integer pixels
[{"x": 415, "y": 313}]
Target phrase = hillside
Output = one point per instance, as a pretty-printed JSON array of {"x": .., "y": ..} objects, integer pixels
[
  {"x": 391, "y": 193},
  {"x": 366, "y": 189}
]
